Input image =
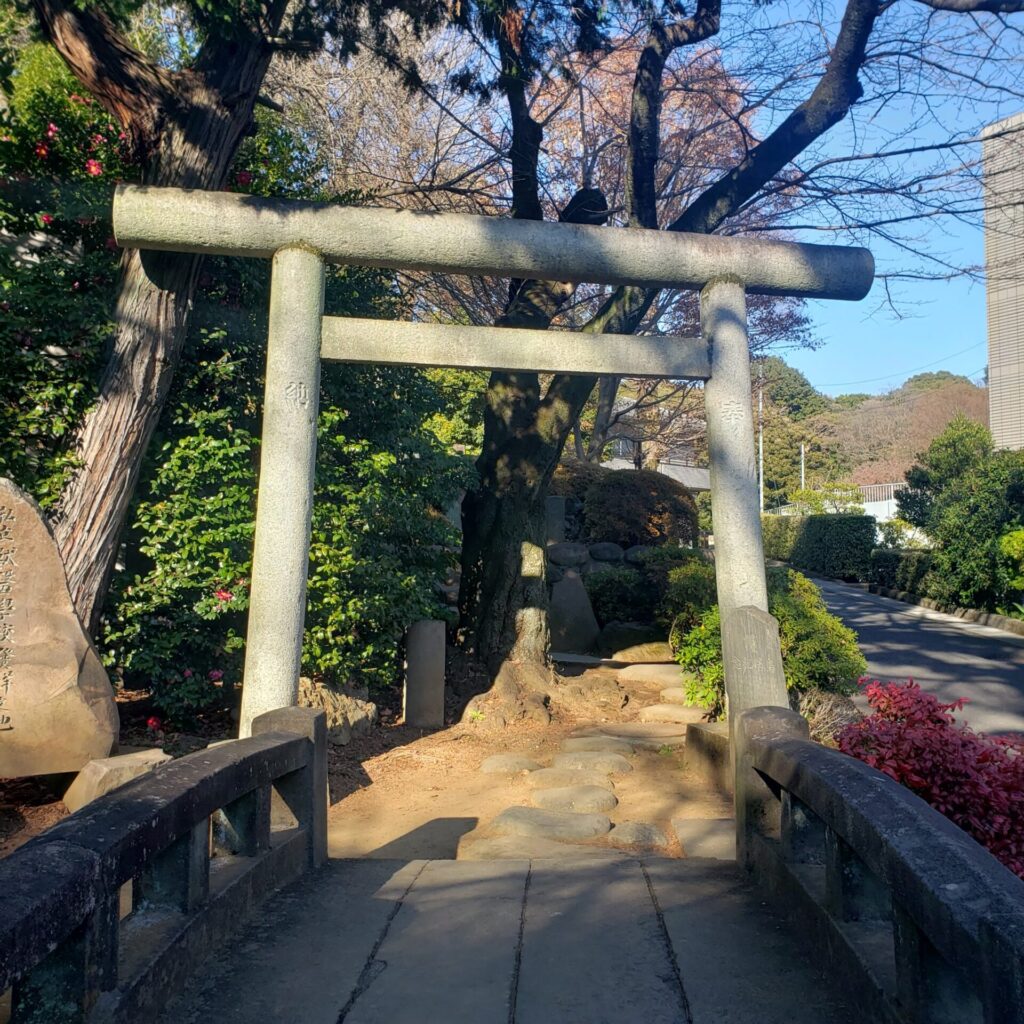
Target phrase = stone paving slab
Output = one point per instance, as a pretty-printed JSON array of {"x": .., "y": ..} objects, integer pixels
[
  {"x": 638, "y": 833},
  {"x": 706, "y": 837},
  {"x": 593, "y": 949},
  {"x": 667, "y": 675},
  {"x": 555, "y": 778},
  {"x": 671, "y": 713},
  {"x": 575, "y": 941},
  {"x": 583, "y": 799},
  {"x": 601, "y": 743},
  {"x": 498, "y": 764},
  {"x": 537, "y": 821},
  {"x": 739, "y": 963},
  {"x": 531, "y": 848},
  {"x": 477, "y": 905},
  {"x": 303, "y": 955},
  {"x": 592, "y": 760}
]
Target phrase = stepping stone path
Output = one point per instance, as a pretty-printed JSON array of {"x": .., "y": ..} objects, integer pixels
[
  {"x": 538, "y": 821},
  {"x": 673, "y": 695},
  {"x": 601, "y": 743},
  {"x": 678, "y": 713},
  {"x": 498, "y": 764},
  {"x": 593, "y": 760},
  {"x": 583, "y": 799},
  {"x": 638, "y": 833},
  {"x": 557, "y": 778}
]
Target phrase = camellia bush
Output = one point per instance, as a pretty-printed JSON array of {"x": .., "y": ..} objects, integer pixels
[
  {"x": 818, "y": 651},
  {"x": 976, "y": 781}
]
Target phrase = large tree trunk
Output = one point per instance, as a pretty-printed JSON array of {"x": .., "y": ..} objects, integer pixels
[{"x": 187, "y": 127}]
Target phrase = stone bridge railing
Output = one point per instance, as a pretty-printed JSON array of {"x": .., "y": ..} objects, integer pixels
[
  {"x": 917, "y": 920},
  {"x": 108, "y": 912}
]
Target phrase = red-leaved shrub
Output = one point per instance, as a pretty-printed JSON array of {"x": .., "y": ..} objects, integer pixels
[{"x": 976, "y": 781}]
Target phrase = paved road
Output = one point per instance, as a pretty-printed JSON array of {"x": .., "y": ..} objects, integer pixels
[{"x": 949, "y": 657}]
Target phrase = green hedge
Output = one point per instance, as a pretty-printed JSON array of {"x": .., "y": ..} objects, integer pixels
[
  {"x": 901, "y": 570},
  {"x": 837, "y": 546}
]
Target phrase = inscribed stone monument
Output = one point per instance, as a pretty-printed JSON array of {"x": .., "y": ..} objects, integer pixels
[{"x": 57, "y": 707}]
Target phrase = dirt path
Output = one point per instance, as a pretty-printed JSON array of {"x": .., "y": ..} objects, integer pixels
[{"x": 404, "y": 794}]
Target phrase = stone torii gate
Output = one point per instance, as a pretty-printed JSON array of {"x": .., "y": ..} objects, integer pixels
[{"x": 301, "y": 237}]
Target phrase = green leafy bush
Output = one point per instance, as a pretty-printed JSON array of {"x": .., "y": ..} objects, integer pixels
[
  {"x": 837, "y": 546},
  {"x": 638, "y": 506},
  {"x": 818, "y": 651},
  {"x": 618, "y": 593},
  {"x": 970, "y": 517},
  {"x": 690, "y": 592}
]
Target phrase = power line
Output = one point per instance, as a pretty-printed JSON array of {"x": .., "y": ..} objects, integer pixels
[{"x": 900, "y": 373}]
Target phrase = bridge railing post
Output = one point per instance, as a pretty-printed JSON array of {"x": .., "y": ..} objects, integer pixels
[
  {"x": 302, "y": 795},
  {"x": 758, "y": 804}
]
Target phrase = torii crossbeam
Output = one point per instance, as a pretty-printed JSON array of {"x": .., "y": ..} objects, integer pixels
[{"x": 301, "y": 237}]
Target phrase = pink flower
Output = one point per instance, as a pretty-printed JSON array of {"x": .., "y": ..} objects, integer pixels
[
  {"x": 51, "y": 130},
  {"x": 216, "y": 675},
  {"x": 223, "y": 595},
  {"x": 94, "y": 168},
  {"x": 42, "y": 150},
  {"x": 153, "y": 723},
  {"x": 243, "y": 178},
  {"x": 187, "y": 673},
  {"x": 112, "y": 243},
  {"x": 47, "y": 219}
]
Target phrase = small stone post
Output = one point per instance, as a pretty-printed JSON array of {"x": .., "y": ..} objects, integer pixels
[
  {"x": 423, "y": 703},
  {"x": 739, "y": 555},
  {"x": 277, "y": 605}
]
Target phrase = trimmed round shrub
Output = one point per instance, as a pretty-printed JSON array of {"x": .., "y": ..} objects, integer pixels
[
  {"x": 818, "y": 651},
  {"x": 638, "y": 506},
  {"x": 618, "y": 594},
  {"x": 572, "y": 478}
]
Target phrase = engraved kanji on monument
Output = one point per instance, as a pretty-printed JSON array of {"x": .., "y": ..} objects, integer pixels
[{"x": 57, "y": 707}]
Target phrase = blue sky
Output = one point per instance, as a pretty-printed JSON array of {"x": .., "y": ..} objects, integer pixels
[
  {"x": 867, "y": 347},
  {"x": 966, "y": 83}
]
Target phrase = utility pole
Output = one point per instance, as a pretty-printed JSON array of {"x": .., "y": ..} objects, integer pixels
[{"x": 803, "y": 482}]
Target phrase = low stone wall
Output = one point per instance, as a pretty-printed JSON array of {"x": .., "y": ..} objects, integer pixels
[
  {"x": 258, "y": 805},
  {"x": 992, "y": 619},
  {"x": 917, "y": 921}
]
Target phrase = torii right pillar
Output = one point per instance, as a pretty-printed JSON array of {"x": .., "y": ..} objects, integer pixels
[{"x": 751, "y": 656}]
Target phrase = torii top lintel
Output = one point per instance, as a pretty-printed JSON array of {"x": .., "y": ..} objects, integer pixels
[{"x": 229, "y": 224}]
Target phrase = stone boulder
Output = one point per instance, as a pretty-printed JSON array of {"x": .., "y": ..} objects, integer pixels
[
  {"x": 606, "y": 552},
  {"x": 568, "y": 554},
  {"x": 573, "y": 626},
  {"x": 106, "y": 774},
  {"x": 347, "y": 716},
  {"x": 635, "y": 554},
  {"x": 57, "y": 708},
  {"x": 617, "y": 636}
]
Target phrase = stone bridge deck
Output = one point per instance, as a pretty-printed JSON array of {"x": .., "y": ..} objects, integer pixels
[{"x": 515, "y": 942}]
